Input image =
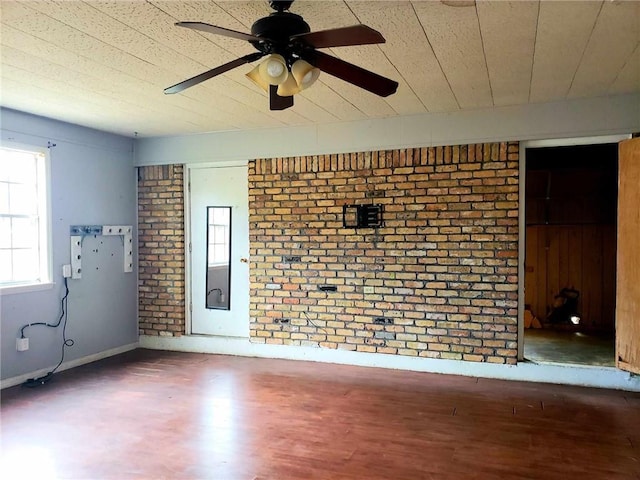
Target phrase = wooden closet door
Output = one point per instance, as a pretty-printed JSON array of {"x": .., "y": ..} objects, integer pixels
[{"x": 628, "y": 257}]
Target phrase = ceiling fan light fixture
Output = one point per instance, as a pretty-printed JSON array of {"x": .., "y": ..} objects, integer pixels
[
  {"x": 255, "y": 77},
  {"x": 289, "y": 87},
  {"x": 304, "y": 73},
  {"x": 273, "y": 69}
]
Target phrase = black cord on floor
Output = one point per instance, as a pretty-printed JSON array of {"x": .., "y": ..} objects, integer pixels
[{"x": 66, "y": 342}]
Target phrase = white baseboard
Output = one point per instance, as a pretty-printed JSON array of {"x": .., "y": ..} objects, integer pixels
[
  {"x": 587, "y": 376},
  {"x": 10, "y": 382}
]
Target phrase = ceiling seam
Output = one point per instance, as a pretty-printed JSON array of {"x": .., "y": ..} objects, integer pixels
[
  {"x": 484, "y": 54},
  {"x": 177, "y": 108},
  {"x": 584, "y": 51},
  {"x": 38, "y": 12},
  {"x": 533, "y": 57},
  {"x": 623, "y": 67},
  {"x": 385, "y": 56},
  {"x": 217, "y": 4},
  {"x": 435, "y": 55},
  {"x": 161, "y": 43}
]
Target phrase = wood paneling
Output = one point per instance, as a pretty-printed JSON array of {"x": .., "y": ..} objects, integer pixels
[
  {"x": 628, "y": 265},
  {"x": 571, "y": 196},
  {"x": 578, "y": 256}
]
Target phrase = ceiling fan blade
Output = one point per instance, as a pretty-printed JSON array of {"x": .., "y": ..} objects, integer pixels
[
  {"x": 276, "y": 102},
  {"x": 178, "y": 87},
  {"x": 341, "y": 37},
  {"x": 351, "y": 73},
  {"x": 205, "y": 27}
]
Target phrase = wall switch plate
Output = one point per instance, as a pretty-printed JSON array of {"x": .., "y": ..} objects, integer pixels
[
  {"x": 66, "y": 271},
  {"x": 22, "y": 344}
]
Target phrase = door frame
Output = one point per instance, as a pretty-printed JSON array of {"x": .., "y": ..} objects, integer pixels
[
  {"x": 188, "y": 169},
  {"x": 524, "y": 145}
]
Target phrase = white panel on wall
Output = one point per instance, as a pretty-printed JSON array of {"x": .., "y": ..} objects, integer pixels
[{"x": 574, "y": 118}]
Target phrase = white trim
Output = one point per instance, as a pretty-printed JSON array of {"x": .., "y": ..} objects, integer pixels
[
  {"x": 10, "y": 382},
  {"x": 220, "y": 164},
  {"x": 136, "y": 259},
  {"x": 611, "y": 115},
  {"x": 567, "y": 142},
  {"x": 27, "y": 128},
  {"x": 27, "y": 288},
  {"x": 522, "y": 238},
  {"x": 47, "y": 264},
  {"x": 524, "y": 371},
  {"x": 186, "y": 181}
]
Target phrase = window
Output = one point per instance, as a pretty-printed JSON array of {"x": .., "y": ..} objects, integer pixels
[
  {"x": 219, "y": 222},
  {"x": 24, "y": 222}
]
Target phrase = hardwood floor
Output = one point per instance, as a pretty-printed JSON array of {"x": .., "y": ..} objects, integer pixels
[{"x": 154, "y": 415}]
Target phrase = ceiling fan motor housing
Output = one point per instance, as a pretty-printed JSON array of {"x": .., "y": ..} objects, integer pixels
[
  {"x": 276, "y": 29},
  {"x": 280, "y": 5}
]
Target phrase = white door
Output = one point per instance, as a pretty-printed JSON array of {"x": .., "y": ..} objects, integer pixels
[{"x": 219, "y": 219}]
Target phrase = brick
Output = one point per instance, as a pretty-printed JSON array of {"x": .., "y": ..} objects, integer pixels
[
  {"x": 437, "y": 267},
  {"x": 161, "y": 265}
]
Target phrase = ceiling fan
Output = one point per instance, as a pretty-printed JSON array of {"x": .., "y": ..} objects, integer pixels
[{"x": 293, "y": 62}]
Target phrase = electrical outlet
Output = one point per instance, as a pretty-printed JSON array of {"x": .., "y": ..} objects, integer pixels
[
  {"x": 22, "y": 344},
  {"x": 66, "y": 271}
]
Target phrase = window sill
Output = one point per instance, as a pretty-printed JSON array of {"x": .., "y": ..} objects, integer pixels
[{"x": 26, "y": 288}]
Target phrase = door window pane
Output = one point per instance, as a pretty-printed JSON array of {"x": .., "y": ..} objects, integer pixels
[{"x": 218, "y": 282}]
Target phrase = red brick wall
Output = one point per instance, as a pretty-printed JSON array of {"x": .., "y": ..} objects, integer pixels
[
  {"x": 161, "y": 289},
  {"x": 438, "y": 280}
]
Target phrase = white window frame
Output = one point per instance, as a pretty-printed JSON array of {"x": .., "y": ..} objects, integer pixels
[{"x": 44, "y": 219}]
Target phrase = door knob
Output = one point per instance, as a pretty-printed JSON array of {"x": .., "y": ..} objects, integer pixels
[{"x": 244, "y": 260}]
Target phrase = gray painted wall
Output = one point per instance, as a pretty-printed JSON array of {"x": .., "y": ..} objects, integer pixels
[{"x": 92, "y": 182}]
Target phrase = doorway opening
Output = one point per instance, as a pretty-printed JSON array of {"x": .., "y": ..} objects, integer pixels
[{"x": 570, "y": 254}]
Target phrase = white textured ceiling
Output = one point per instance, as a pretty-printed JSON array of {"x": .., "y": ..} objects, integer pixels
[{"x": 104, "y": 64}]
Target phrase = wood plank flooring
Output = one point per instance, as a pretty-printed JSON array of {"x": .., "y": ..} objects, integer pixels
[{"x": 167, "y": 415}]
